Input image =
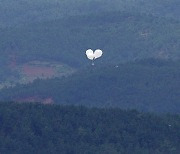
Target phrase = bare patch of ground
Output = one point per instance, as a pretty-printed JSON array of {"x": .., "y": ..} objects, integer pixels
[
  {"x": 35, "y": 99},
  {"x": 32, "y": 70}
]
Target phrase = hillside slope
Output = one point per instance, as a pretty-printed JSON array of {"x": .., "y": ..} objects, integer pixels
[
  {"x": 122, "y": 37},
  {"x": 149, "y": 85}
]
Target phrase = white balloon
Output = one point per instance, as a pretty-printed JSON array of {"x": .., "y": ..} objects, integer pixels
[
  {"x": 98, "y": 53},
  {"x": 90, "y": 56},
  {"x": 89, "y": 51},
  {"x": 93, "y": 55}
]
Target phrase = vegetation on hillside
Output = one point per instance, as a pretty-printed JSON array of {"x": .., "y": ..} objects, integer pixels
[
  {"x": 48, "y": 38},
  {"x": 35, "y": 128},
  {"x": 122, "y": 36},
  {"x": 63, "y": 30},
  {"x": 19, "y": 12},
  {"x": 148, "y": 85}
]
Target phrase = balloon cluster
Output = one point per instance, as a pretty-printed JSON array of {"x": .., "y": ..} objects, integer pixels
[{"x": 92, "y": 55}]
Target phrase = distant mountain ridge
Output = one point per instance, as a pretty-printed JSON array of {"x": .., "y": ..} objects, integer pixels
[{"x": 19, "y": 12}]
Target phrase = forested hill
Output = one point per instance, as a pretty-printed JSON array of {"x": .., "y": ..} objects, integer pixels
[
  {"x": 122, "y": 36},
  {"x": 35, "y": 128},
  {"x": 149, "y": 85},
  {"x": 55, "y": 31},
  {"x": 19, "y": 12}
]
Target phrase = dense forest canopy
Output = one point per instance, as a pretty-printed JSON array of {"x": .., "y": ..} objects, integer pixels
[
  {"x": 148, "y": 85},
  {"x": 35, "y": 128}
]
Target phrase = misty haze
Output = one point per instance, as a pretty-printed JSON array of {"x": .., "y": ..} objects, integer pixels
[{"x": 89, "y": 77}]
